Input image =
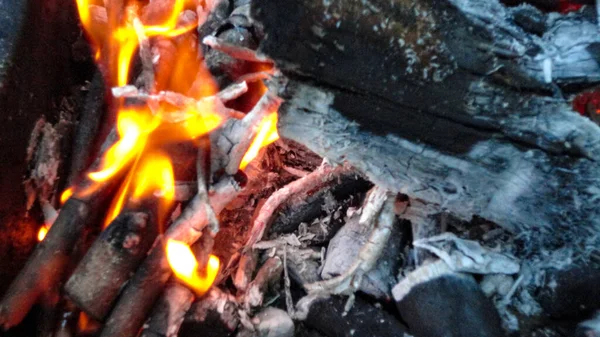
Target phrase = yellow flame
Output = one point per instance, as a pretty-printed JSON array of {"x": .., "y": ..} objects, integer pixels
[
  {"x": 42, "y": 233},
  {"x": 267, "y": 134},
  {"x": 185, "y": 267},
  {"x": 155, "y": 174},
  {"x": 66, "y": 194},
  {"x": 84, "y": 12},
  {"x": 197, "y": 125}
]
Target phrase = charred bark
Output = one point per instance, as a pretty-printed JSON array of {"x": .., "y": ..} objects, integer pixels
[{"x": 447, "y": 103}]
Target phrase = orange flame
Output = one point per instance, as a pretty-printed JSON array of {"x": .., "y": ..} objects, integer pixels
[
  {"x": 133, "y": 128},
  {"x": 267, "y": 134},
  {"x": 152, "y": 176},
  {"x": 185, "y": 267}
]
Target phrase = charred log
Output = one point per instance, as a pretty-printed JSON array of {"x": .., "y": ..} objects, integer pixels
[{"x": 446, "y": 103}]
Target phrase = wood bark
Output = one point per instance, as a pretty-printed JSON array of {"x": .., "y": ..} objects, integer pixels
[{"x": 459, "y": 103}]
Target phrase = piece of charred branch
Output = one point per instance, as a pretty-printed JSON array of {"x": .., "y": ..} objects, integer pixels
[
  {"x": 305, "y": 207},
  {"x": 88, "y": 125},
  {"x": 51, "y": 257},
  {"x": 169, "y": 311},
  {"x": 378, "y": 214},
  {"x": 431, "y": 110},
  {"x": 425, "y": 222},
  {"x": 344, "y": 249},
  {"x": 143, "y": 289},
  {"x": 96, "y": 282},
  {"x": 267, "y": 275},
  {"x": 215, "y": 314},
  {"x": 266, "y": 214},
  {"x": 435, "y": 301}
]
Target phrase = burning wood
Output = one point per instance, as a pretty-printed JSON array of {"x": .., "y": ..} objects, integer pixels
[{"x": 199, "y": 232}]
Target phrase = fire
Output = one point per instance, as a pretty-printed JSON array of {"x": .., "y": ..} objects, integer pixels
[
  {"x": 151, "y": 175},
  {"x": 66, "y": 194},
  {"x": 267, "y": 134},
  {"x": 185, "y": 267},
  {"x": 42, "y": 233},
  {"x": 133, "y": 127},
  {"x": 167, "y": 35}
]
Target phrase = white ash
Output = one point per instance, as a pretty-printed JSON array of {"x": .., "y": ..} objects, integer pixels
[{"x": 468, "y": 256}]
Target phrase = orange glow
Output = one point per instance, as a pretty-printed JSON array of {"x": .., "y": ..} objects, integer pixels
[
  {"x": 66, "y": 194},
  {"x": 267, "y": 134},
  {"x": 83, "y": 321},
  {"x": 42, "y": 233},
  {"x": 185, "y": 267}
]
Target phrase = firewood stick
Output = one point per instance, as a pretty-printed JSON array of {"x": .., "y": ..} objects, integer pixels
[
  {"x": 269, "y": 273},
  {"x": 320, "y": 176},
  {"x": 244, "y": 132},
  {"x": 215, "y": 314},
  {"x": 84, "y": 142},
  {"x": 235, "y": 51},
  {"x": 183, "y": 102},
  {"x": 168, "y": 312},
  {"x": 46, "y": 266},
  {"x": 96, "y": 281},
  {"x": 149, "y": 280},
  {"x": 379, "y": 213}
]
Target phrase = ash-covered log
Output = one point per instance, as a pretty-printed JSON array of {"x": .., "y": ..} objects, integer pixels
[{"x": 447, "y": 103}]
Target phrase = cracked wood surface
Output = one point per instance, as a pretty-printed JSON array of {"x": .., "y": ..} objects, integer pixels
[{"x": 447, "y": 103}]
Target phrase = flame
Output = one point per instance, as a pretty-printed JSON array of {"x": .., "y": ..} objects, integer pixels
[
  {"x": 185, "y": 266},
  {"x": 66, "y": 194},
  {"x": 133, "y": 128},
  {"x": 42, "y": 233},
  {"x": 150, "y": 176},
  {"x": 155, "y": 174},
  {"x": 267, "y": 134}
]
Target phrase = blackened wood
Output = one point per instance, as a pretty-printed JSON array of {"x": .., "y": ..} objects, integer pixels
[
  {"x": 433, "y": 300},
  {"x": 411, "y": 93},
  {"x": 450, "y": 305},
  {"x": 363, "y": 320},
  {"x": 571, "y": 292},
  {"x": 45, "y": 266},
  {"x": 88, "y": 125},
  {"x": 215, "y": 314},
  {"x": 169, "y": 311},
  {"x": 144, "y": 288},
  {"x": 50, "y": 259},
  {"x": 97, "y": 280},
  {"x": 308, "y": 206}
]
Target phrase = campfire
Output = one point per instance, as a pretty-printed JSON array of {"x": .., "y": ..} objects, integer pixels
[{"x": 315, "y": 168}]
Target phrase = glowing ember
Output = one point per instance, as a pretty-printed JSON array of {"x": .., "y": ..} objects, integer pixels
[
  {"x": 267, "y": 134},
  {"x": 185, "y": 267}
]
